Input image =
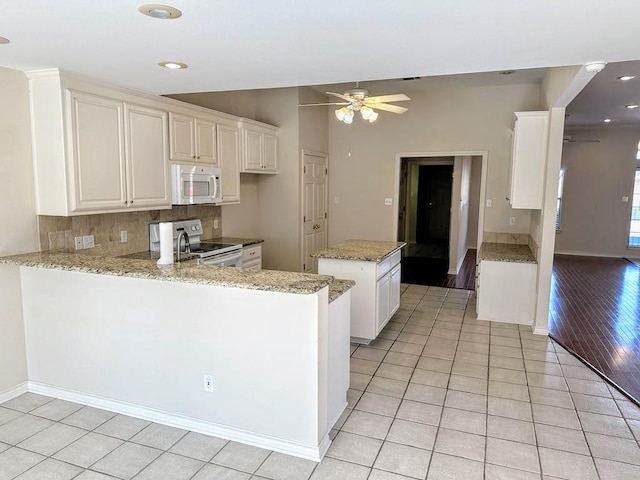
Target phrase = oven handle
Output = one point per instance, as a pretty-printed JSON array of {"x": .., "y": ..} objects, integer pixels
[{"x": 222, "y": 258}]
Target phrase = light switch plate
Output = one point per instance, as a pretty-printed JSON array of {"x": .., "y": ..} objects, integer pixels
[
  {"x": 489, "y": 203},
  {"x": 388, "y": 201},
  {"x": 215, "y": 223},
  {"x": 124, "y": 237},
  {"x": 512, "y": 220}
]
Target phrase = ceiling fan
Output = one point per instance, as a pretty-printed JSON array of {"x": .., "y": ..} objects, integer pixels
[
  {"x": 569, "y": 139},
  {"x": 359, "y": 100}
]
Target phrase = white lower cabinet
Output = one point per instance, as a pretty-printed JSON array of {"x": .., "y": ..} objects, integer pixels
[
  {"x": 376, "y": 295},
  {"x": 506, "y": 292},
  {"x": 252, "y": 257}
]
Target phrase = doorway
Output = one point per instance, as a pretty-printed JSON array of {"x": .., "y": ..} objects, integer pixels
[
  {"x": 314, "y": 208},
  {"x": 439, "y": 217},
  {"x": 425, "y": 218}
]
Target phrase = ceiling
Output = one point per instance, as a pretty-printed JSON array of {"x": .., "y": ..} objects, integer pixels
[
  {"x": 232, "y": 45},
  {"x": 606, "y": 97}
]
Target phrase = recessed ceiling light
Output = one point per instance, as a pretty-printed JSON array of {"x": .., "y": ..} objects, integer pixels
[
  {"x": 626, "y": 78},
  {"x": 632, "y": 106},
  {"x": 164, "y": 12},
  {"x": 4, "y": 40},
  {"x": 173, "y": 65},
  {"x": 607, "y": 120},
  {"x": 507, "y": 72}
]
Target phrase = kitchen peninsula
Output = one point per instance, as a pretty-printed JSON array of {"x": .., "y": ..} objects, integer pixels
[
  {"x": 375, "y": 267},
  {"x": 132, "y": 337}
]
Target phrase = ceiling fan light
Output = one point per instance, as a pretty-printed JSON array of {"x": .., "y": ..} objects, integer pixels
[
  {"x": 373, "y": 117},
  {"x": 366, "y": 112},
  {"x": 340, "y": 113},
  {"x": 348, "y": 117}
]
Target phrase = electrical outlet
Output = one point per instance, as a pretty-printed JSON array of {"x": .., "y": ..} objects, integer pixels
[
  {"x": 124, "y": 238},
  {"x": 78, "y": 242},
  {"x": 512, "y": 220},
  {"x": 208, "y": 383},
  {"x": 388, "y": 201},
  {"x": 489, "y": 203},
  {"x": 88, "y": 241},
  {"x": 215, "y": 223},
  {"x": 625, "y": 199}
]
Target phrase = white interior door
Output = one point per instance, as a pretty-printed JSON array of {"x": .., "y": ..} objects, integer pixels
[{"x": 314, "y": 207}]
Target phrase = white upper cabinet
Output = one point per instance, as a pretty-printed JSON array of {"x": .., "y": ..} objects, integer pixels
[
  {"x": 260, "y": 147},
  {"x": 193, "y": 139},
  {"x": 97, "y": 149},
  {"x": 229, "y": 158},
  {"x": 147, "y": 144},
  {"x": 97, "y": 152},
  {"x": 528, "y": 157}
]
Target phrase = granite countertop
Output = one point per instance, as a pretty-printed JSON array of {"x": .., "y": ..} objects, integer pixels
[
  {"x": 363, "y": 250},
  {"x": 506, "y": 252},
  {"x": 265, "y": 280},
  {"x": 338, "y": 287},
  {"x": 244, "y": 241}
]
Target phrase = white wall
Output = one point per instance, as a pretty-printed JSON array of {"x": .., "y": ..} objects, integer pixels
[
  {"x": 595, "y": 221},
  {"x": 362, "y": 156},
  {"x": 461, "y": 204},
  {"x": 474, "y": 202},
  {"x": 18, "y": 229}
]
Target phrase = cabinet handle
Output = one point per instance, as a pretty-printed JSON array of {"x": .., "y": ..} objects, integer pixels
[
  {"x": 193, "y": 156},
  {"x": 198, "y": 157},
  {"x": 131, "y": 202},
  {"x": 126, "y": 203}
]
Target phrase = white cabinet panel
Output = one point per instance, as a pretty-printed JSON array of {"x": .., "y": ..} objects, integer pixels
[
  {"x": 206, "y": 142},
  {"x": 97, "y": 152},
  {"x": 528, "y": 158},
  {"x": 147, "y": 162},
  {"x": 229, "y": 160},
  {"x": 394, "y": 290},
  {"x": 192, "y": 139},
  {"x": 260, "y": 147},
  {"x": 252, "y": 257},
  {"x": 506, "y": 292},
  {"x": 382, "y": 302}
]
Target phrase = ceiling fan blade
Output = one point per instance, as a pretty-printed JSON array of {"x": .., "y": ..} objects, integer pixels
[
  {"x": 398, "y": 97},
  {"x": 387, "y": 107},
  {"x": 339, "y": 95},
  {"x": 322, "y": 104}
]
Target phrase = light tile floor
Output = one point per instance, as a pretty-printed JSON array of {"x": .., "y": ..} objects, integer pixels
[{"x": 439, "y": 395}]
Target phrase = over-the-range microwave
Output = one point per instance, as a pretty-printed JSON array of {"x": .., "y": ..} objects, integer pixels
[{"x": 192, "y": 185}]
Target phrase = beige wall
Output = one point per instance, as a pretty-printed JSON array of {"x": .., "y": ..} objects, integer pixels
[
  {"x": 362, "y": 157},
  {"x": 595, "y": 221},
  {"x": 241, "y": 219},
  {"x": 18, "y": 229},
  {"x": 460, "y": 205},
  {"x": 242, "y": 103}
]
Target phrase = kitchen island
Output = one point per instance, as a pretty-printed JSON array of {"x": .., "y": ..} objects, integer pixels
[
  {"x": 129, "y": 336},
  {"x": 375, "y": 267}
]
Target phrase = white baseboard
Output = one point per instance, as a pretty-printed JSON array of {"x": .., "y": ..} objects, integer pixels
[
  {"x": 586, "y": 254},
  {"x": 13, "y": 392},
  {"x": 541, "y": 331},
  {"x": 308, "y": 452}
]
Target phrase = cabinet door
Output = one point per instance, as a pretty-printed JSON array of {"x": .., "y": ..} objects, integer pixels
[
  {"x": 394, "y": 290},
  {"x": 206, "y": 142},
  {"x": 97, "y": 153},
  {"x": 181, "y": 144},
  {"x": 252, "y": 151},
  {"x": 382, "y": 296},
  {"x": 229, "y": 159},
  {"x": 147, "y": 163},
  {"x": 270, "y": 153}
]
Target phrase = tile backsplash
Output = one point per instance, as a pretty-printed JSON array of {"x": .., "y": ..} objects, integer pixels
[{"x": 58, "y": 233}]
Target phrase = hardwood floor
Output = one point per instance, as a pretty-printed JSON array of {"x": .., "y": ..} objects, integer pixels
[
  {"x": 595, "y": 314},
  {"x": 426, "y": 270}
]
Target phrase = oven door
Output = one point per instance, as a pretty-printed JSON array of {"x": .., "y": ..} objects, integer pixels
[{"x": 230, "y": 259}]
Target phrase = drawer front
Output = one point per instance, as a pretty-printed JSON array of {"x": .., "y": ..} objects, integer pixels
[
  {"x": 388, "y": 263},
  {"x": 255, "y": 264},
  {"x": 251, "y": 253}
]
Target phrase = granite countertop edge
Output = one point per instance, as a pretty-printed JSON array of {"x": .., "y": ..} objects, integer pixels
[
  {"x": 339, "y": 287},
  {"x": 360, "y": 250},
  {"x": 506, "y": 252},
  {"x": 246, "y": 242},
  {"x": 263, "y": 280}
]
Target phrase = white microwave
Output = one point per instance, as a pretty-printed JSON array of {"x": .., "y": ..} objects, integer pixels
[{"x": 192, "y": 185}]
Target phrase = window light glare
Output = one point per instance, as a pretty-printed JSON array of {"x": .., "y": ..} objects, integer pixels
[
  {"x": 626, "y": 78},
  {"x": 632, "y": 106},
  {"x": 173, "y": 65}
]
